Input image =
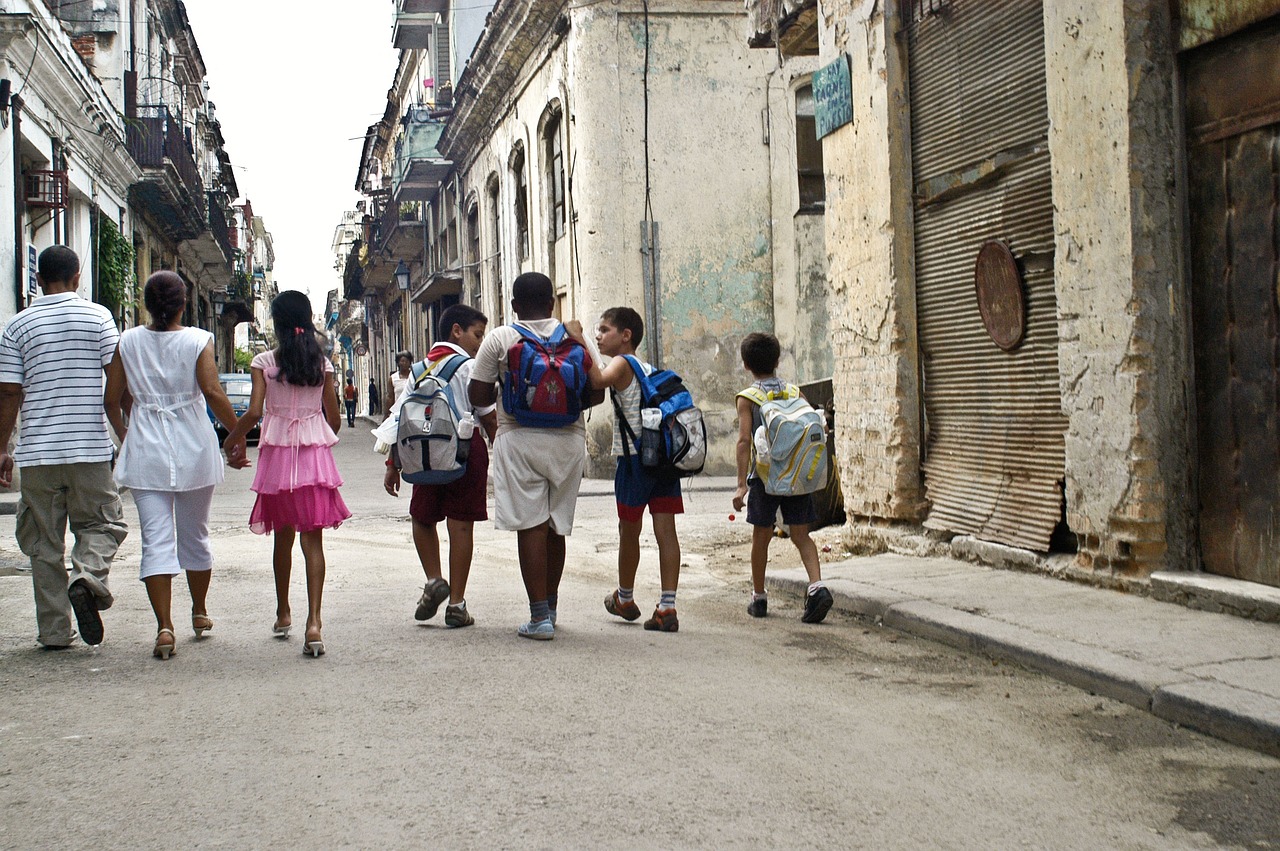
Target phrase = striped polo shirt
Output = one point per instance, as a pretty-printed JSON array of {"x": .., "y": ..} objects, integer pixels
[{"x": 56, "y": 349}]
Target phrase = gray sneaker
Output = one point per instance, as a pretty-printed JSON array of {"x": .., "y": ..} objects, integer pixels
[{"x": 434, "y": 593}]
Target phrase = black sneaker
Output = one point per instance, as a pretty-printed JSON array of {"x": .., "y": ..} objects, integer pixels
[
  {"x": 816, "y": 606},
  {"x": 434, "y": 593},
  {"x": 85, "y": 606},
  {"x": 758, "y": 607},
  {"x": 456, "y": 616}
]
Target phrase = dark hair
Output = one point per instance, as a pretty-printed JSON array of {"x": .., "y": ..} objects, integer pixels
[
  {"x": 408, "y": 355},
  {"x": 463, "y": 315},
  {"x": 533, "y": 291},
  {"x": 298, "y": 351},
  {"x": 57, "y": 265},
  {"x": 626, "y": 318},
  {"x": 165, "y": 296},
  {"x": 761, "y": 353}
]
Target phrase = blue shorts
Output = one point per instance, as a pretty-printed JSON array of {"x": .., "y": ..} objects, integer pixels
[
  {"x": 762, "y": 508},
  {"x": 634, "y": 489}
]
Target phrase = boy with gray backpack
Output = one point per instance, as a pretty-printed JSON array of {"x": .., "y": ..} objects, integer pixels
[
  {"x": 781, "y": 461},
  {"x": 440, "y": 451}
]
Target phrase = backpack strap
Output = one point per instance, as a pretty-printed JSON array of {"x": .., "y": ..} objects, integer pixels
[
  {"x": 755, "y": 394},
  {"x": 628, "y": 436},
  {"x": 640, "y": 375},
  {"x": 447, "y": 366},
  {"x": 556, "y": 336}
]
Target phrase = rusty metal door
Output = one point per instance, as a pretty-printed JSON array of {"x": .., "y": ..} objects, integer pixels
[
  {"x": 995, "y": 430},
  {"x": 1233, "y": 164}
]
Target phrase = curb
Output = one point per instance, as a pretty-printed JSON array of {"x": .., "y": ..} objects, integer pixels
[{"x": 1215, "y": 709}]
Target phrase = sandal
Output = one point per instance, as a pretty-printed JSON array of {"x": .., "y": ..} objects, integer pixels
[
  {"x": 201, "y": 623},
  {"x": 313, "y": 647},
  {"x": 165, "y": 649}
]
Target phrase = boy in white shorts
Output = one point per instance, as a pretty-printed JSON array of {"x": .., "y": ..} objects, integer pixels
[{"x": 536, "y": 471}]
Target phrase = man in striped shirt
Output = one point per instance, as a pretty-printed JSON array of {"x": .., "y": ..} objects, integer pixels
[{"x": 52, "y": 357}]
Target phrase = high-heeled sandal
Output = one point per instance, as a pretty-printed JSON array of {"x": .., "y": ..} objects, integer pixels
[
  {"x": 281, "y": 631},
  {"x": 201, "y": 628},
  {"x": 313, "y": 647},
  {"x": 163, "y": 650}
]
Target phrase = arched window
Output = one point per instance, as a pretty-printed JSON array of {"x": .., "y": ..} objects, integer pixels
[
  {"x": 809, "y": 173},
  {"x": 494, "y": 206},
  {"x": 521, "y": 201},
  {"x": 555, "y": 176}
]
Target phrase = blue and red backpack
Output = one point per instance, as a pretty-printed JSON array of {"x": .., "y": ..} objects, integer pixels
[{"x": 547, "y": 383}]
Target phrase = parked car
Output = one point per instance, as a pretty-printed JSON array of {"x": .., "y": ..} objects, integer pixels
[{"x": 238, "y": 387}]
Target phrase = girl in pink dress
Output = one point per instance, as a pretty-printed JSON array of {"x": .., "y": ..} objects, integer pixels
[{"x": 296, "y": 481}]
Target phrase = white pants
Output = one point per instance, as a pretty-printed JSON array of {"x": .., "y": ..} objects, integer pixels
[{"x": 175, "y": 530}]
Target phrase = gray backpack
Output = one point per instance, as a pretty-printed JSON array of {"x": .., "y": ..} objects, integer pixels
[{"x": 428, "y": 449}]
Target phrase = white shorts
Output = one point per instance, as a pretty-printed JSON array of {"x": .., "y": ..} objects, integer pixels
[
  {"x": 175, "y": 530},
  {"x": 536, "y": 476}
]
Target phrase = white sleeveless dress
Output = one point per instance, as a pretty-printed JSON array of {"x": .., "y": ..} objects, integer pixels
[{"x": 171, "y": 444}]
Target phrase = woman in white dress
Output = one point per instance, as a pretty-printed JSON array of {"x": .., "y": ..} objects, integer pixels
[
  {"x": 161, "y": 377},
  {"x": 399, "y": 378}
]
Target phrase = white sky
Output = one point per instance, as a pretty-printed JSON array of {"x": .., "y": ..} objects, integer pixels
[{"x": 293, "y": 83}]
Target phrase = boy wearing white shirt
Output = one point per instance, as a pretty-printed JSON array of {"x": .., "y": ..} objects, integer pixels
[{"x": 460, "y": 504}]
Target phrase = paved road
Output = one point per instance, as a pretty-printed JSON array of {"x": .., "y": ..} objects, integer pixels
[{"x": 733, "y": 732}]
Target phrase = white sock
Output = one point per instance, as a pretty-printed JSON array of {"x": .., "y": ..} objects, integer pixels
[
  {"x": 759, "y": 595},
  {"x": 625, "y": 595},
  {"x": 461, "y": 604},
  {"x": 815, "y": 586}
]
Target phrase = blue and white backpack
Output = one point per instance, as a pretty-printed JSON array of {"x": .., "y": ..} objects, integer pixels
[{"x": 676, "y": 446}]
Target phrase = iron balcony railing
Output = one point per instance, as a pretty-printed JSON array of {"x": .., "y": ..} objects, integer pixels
[{"x": 155, "y": 138}]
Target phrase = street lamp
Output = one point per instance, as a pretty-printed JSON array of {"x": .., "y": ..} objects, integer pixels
[{"x": 402, "y": 275}]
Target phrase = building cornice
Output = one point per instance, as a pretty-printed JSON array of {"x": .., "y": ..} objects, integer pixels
[
  {"x": 79, "y": 112},
  {"x": 515, "y": 32}
]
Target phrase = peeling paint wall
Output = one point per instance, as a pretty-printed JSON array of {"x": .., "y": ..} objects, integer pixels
[
  {"x": 709, "y": 189},
  {"x": 871, "y": 269},
  {"x": 801, "y": 292},
  {"x": 1122, "y": 314},
  {"x": 708, "y": 182}
]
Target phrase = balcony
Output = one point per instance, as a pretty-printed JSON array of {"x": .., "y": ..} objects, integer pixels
[
  {"x": 414, "y": 21},
  {"x": 400, "y": 230},
  {"x": 218, "y": 227},
  {"x": 171, "y": 188},
  {"x": 235, "y": 301},
  {"x": 789, "y": 25},
  {"x": 418, "y": 167}
]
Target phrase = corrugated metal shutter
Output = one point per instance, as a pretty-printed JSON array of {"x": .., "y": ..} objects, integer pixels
[
  {"x": 443, "y": 54},
  {"x": 994, "y": 455}
]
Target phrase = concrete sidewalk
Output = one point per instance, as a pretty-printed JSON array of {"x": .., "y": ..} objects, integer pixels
[{"x": 1215, "y": 673}]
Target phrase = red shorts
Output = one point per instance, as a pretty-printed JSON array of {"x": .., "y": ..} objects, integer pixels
[{"x": 460, "y": 500}]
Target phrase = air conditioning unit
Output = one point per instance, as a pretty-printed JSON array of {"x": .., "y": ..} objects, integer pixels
[{"x": 49, "y": 189}]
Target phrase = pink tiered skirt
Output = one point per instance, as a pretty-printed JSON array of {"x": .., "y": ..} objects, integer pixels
[{"x": 296, "y": 488}]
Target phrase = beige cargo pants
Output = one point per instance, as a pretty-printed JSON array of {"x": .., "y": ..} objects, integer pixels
[{"x": 53, "y": 495}]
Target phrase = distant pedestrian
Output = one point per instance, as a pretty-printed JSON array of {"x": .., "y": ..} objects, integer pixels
[
  {"x": 760, "y": 356},
  {"x": 399, "y": 379},
  {"x": 297, "y": 481},
  {"x": 375, "y": 402},
  {"x": 349, "y": 396},
  {"x": 52, "y": 357},
  {"x": 169, "y": 456}
]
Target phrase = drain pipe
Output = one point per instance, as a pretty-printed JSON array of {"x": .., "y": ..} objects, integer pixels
[{"x": 19, "y": 207}]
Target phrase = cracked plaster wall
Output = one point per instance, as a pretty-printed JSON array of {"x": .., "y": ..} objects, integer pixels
[
  {"x": 1122, "y": 313},
  {"x": 872, "y": 277}
]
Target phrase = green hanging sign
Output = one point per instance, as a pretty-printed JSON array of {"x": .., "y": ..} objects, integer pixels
[{"x": 832, "y": 96}]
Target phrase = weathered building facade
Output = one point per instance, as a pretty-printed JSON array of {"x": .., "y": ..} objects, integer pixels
[
  {"x": 117, "y": 153},
  {"x": 1047, "y": 229},
  {"x": 619, "y": 149}
]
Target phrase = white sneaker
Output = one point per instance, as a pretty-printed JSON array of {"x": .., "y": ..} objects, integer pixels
[{"x": 537, "y": 630}]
